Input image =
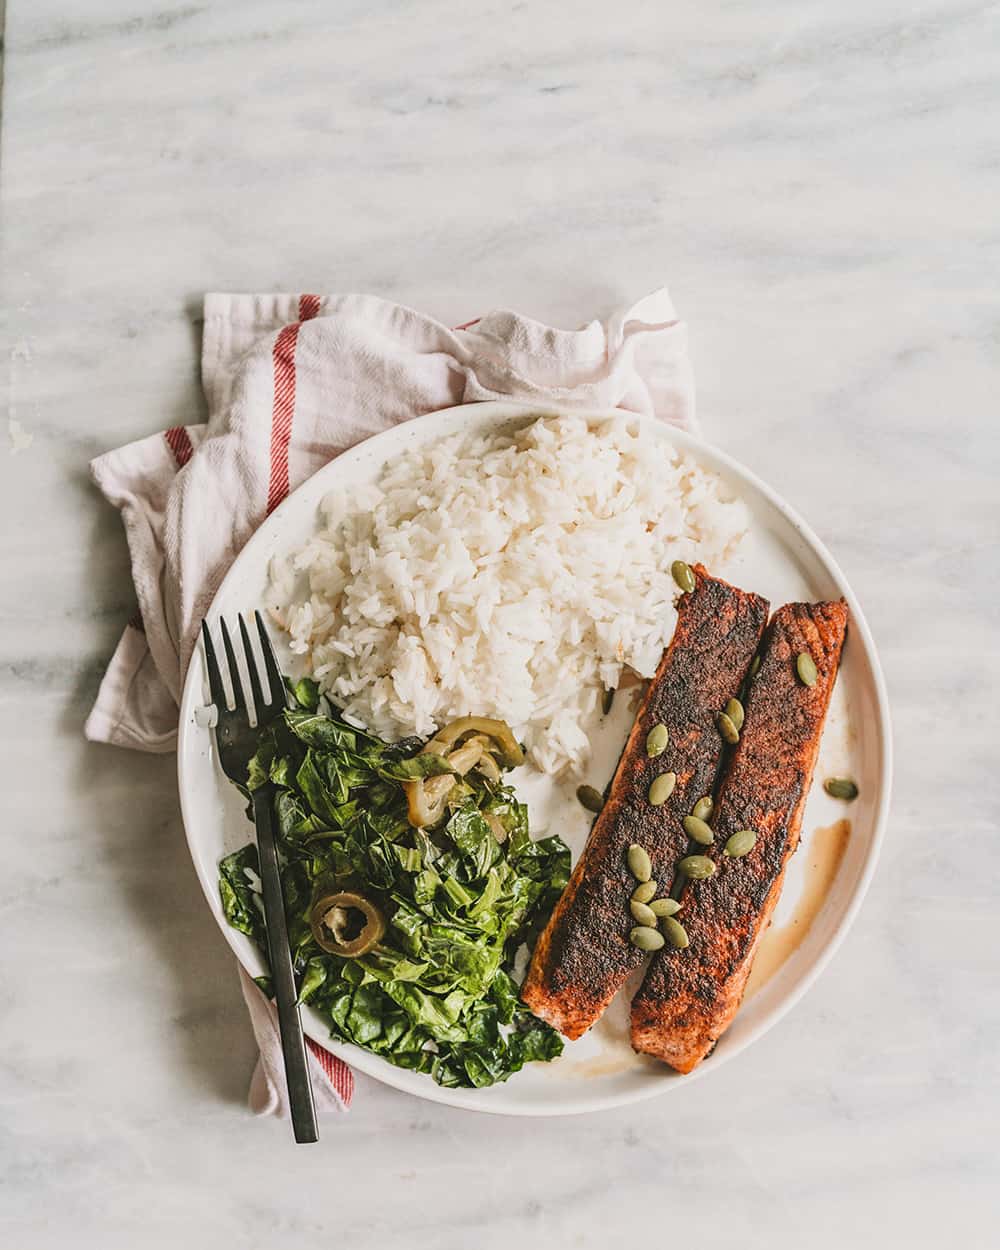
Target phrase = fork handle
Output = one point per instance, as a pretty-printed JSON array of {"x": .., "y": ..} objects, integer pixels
[{"x": 293, "y": 1046}]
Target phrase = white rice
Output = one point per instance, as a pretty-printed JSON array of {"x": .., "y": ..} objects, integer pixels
[{"x": 509, "y": 576}]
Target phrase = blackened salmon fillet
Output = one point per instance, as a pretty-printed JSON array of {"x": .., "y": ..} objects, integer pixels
[
  {"x": 689, "y": 997},
  {"x": 584, "y": 955}
]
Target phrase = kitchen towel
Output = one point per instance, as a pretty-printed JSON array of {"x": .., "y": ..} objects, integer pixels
[{"x": 290, "y": 382}]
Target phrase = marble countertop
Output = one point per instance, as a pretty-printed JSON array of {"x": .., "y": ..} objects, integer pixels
[{"x": 817, "y": 184}]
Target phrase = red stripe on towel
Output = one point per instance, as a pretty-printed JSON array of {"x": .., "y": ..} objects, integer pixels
[
  {"x": 283, "y": 410},
  {"x": 180, "y": 444},
  {"x": 337, "y": 1072},
  {"x": 308, "y": 307},
  {"x": 282, "y": 413}
]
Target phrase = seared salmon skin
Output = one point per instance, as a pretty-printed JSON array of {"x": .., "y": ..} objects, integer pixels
[
  {"x": 584, "y": 954},
  {"x": 689, "y": 997}
]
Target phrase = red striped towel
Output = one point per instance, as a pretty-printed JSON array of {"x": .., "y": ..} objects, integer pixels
[{"x": 291, "y": 381}]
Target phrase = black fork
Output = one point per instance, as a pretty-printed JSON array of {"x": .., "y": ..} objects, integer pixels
[{"x": 237, "y": 739}]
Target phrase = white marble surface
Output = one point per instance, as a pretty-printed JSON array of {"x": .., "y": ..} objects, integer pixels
[{"x": 818, "y": 185}]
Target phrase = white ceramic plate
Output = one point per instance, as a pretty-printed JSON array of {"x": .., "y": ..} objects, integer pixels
[{"x": 781, "y": 559}]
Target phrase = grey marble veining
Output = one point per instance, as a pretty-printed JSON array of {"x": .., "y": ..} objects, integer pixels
[{"x": 818, "y": 186}]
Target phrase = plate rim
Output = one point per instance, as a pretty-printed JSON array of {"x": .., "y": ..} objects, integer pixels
[{"x": 379, "y": 1068}]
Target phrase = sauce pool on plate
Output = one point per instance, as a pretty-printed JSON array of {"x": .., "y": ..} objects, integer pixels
[{"x": 826, "y": 851}]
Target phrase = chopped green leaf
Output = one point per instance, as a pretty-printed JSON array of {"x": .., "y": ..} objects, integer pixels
[
  {"x": 305, "y": 692},
  {"x": 239, "y": 901},
  {"x": 474, "y": 838},
  {"x": 314, "y": 977},
  {"x": 416, "y": 766},
  {"x": 316, "y": 730}
]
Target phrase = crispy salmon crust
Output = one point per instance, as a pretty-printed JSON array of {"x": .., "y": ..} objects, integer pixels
[
  {"x": 584, "y": 955},
  {"x": 689, "y": 997}
]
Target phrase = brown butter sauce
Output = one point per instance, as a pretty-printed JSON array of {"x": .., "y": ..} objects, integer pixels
[{"x": 826, "y": 850}]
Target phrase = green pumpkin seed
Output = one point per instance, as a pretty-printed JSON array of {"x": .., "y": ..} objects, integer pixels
[
  {"x": 638, "y": 863},
  {"x": 740, "y": 844},
  {"x": 806, "y": 668},
  {"x": 591, "y": 799},
  {"x": 662, "y": 788},
  {"x": 754, "y": 667},
  {"x": 703, "y": 808},
  {"x": 698, "y": 831},
  {"x": 728, "y": 730},
  {"x": 645, "y": 938},
  {"x": 607, "y": 698},
  {"x": 734, "y": 710},
  {"x": 696, "y": 866},
  {"x": 682, "y": 575},
  {"x": 657, "y": 740},
  {"x": 642, "y": 914},
  {"x": 841, "y": 788},
  {"x": 643, "y": 893},
  {"x": 664, "y": 907},
  {"x": 675, "y": 932}
]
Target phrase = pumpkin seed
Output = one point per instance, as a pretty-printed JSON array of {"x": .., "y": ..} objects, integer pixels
[
  {"x": 643, "y": 893},
  {"x": 664, "y": 907},
  {"x": 703, "y": 808},
  {"x": 728, "y": 730},
  {"x": 754, "y": 667},
  {"x": 591, "y": 799},
  {"x": 642, "y": 914},
  {"x": 696, "y": 866},
  {"x": 698, "y": 831},
  {"x": 656, "y": 741},
  {"x": 662, "y": 788},
  {"x": 638, "y": 863},
  {"x": 806, "y": 668},
  {"x": 676, "y": 933},
  {"x": 645, "y": 938},
  {"x": 607, "y": 698},
  {"x": 740, "y": 844},
  {"x": 682, "y": 575},
  {"x": 734, "y": 710},
  {"x": 841, "y": 788}
]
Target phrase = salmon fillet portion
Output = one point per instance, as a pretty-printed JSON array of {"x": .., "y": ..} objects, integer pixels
[
  {"x": 689, "y": 997},
  {"x": 584, "y": 955}
]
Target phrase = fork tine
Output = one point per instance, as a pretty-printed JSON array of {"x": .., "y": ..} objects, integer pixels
[
  {"x": 255, "y": 690},
  {"x": 215, "y": 678},
  {"x": 215, "y": 685},
  {"x": 234, "y": 672},
  {"x": 275, "y": 682}
]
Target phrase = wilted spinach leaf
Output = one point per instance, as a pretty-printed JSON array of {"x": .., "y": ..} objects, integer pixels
[
  {"x": 239, "y": 900},
  {"x": 305, "y": 692}
]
